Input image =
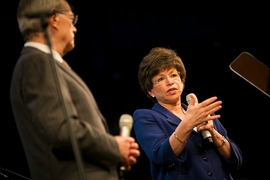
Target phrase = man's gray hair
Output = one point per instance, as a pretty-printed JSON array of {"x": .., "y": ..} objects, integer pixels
[{"x": 30, "y": 26}]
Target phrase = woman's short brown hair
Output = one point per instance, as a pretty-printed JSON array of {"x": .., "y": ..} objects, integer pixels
[{"x": 157, "y": 60}]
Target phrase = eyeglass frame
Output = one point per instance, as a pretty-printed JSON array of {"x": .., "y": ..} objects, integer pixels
[
  {"x": 158, "y": 81},
  {"x": 74, "y": 17}
]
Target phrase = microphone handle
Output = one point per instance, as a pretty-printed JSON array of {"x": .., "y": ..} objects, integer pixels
[
  {"x": 121, "y": 173},
  {"x": 207, "y": 136},
  {"x": 125, "y": 131}
]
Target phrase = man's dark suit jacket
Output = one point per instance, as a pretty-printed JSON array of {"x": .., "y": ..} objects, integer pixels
[{"x": 43, "y": 128}]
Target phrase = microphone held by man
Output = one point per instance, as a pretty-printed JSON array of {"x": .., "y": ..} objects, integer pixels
[{"x": 125, "y": 125}]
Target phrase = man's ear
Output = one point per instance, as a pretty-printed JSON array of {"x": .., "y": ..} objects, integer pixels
[{"x": 53, "y": 20}]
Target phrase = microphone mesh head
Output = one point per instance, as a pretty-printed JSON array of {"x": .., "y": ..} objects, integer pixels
[
  {"x": 188, "y": 98},
  {"x": 126, "y": 120}
]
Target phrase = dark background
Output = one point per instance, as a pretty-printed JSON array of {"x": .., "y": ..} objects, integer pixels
[{"x": 112, "y": 39}]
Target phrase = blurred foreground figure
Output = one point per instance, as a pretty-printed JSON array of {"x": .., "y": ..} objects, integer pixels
[{"x": 39, "y": 111}]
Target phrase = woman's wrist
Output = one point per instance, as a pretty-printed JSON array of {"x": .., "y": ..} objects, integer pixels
[
  {"x": 223, "y": 141},
  {"x": 176, "y": 137}
]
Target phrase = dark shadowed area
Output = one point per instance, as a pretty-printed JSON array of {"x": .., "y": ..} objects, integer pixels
[{"x": 112, "y": 39}]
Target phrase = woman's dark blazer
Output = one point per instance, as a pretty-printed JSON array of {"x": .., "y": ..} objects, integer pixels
[{"x": 153, "y": 127}]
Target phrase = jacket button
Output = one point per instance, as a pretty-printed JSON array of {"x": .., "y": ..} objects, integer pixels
[
  {"x": 205, "y": 159},
  {"x": 209, "y": 174}
]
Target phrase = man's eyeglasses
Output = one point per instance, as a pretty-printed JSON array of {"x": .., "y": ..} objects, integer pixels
[
  {"x": 160, "y": 79},
  {"x": 74, "y": 18}
]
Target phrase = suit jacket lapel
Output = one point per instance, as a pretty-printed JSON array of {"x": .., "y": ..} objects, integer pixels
[
  {"x": 78, "y": 79},
  {"x": 170, "y": 117}
]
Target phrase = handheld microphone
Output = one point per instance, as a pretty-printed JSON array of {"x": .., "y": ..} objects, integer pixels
[
  {"x": 125, "y": 124},
  {"x": 206, "y": 134}
]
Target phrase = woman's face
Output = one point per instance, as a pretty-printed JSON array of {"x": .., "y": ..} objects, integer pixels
[{"x": 167, "y": 86}]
